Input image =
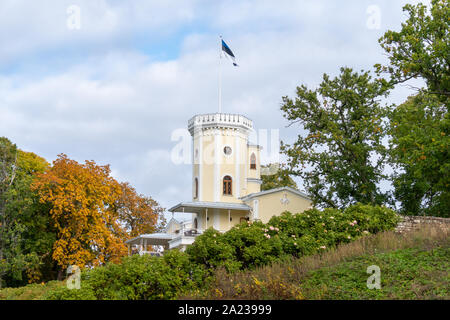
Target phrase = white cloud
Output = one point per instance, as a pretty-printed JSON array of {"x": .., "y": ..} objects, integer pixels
[{"x": 109, "y": 101}]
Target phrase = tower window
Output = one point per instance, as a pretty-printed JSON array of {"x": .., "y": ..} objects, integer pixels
[
  {"x": 227, "y": 182},
  {"x": 196, "y": 188},
  {"x": 253, "y": 161},
  {"x": 227, "y": 150}
]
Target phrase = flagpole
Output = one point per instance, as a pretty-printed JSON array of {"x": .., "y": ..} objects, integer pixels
[{"x": 220, "y": 76}]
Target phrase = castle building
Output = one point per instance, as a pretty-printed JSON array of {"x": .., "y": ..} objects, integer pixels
[{"x": 226, "y": 184}]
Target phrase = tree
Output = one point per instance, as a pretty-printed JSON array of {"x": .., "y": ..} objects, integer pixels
[
  {"x": 28, "y": 234},
  {"x": 420, "y": 143},
  {"x": 81, "y": 199},
  {"x": 138, "y": 213},
  {"x": 277, "y": 179},
  {"x": 39, "y": 234},
  {"x": 421, "y": 48},
  {"x": 8, "y": 159},
  {"x": 420, "y": 126},
  {"x": 339, "y": 152}
]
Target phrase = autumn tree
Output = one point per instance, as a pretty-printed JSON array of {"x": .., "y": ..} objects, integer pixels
[
  {"x": 139, "y": 214},
  {"x": 339, "y": 151},
  {"x": 81, "y": 199},
  {"x": 279, "y": 177}
]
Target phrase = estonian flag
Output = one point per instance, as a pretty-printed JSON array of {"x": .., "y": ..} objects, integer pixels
[{"x": 229, "y": 53}]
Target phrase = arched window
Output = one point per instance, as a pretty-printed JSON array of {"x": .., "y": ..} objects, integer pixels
[
  {"x": 227, "y": 182},
  {"x": 253, "y": 161},
  {"x": 196, "y": 188}
]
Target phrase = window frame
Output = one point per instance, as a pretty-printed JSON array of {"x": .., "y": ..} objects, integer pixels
[
  {"x": 227, "y": 185},
  {"x": 253, "y": 161}
]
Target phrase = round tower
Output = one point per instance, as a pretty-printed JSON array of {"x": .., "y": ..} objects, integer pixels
[{"x": 225, "y": 165}]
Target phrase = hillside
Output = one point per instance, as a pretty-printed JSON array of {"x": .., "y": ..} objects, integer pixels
[{"x": 414, "y": 265}]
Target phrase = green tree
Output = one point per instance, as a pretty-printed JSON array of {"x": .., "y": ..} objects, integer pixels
[
  {"x": 8, "y": 159},
  {"x": 421, "y": 49},
  {"x": 420, "y": 126},
  {"x": 339, "y": 152},
  {"x": 26, "y": 231},
  {"x": 277, "y": 179},
  {"x": 420, "y": 130}
]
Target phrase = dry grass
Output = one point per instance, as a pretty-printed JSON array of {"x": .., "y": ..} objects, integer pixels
[{"x": 278, "y": 281}]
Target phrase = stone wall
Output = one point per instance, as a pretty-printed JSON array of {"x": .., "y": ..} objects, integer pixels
[{"x": 413, "y": 222}]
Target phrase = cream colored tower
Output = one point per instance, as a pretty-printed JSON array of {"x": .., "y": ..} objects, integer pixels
[{"x": 226, "y": 166}]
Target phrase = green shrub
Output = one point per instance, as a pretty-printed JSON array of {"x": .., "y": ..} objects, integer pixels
[
  {"x": 62, "y": 293},
  {"x": 212, "y": 250},
  {"x": 315, "y": 230},
  {"x": 244, "y": 246},
  {"x": 138, "y": 278},
  {"x": 252, "y": 244}
]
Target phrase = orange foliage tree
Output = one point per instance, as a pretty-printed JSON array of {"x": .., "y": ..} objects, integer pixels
[
  {"x": 82, "y": 201},
  {"x": 138, "y": 214}
]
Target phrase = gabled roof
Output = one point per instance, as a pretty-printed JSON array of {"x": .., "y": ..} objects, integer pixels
[{"x": 262, "y": 193}]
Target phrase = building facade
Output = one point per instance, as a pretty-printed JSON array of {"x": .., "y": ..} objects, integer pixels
[{"x": 226, "y": 183}]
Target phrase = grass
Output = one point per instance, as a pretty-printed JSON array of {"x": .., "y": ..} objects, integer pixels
[
  {"x": 30, "y": 292},
  {"x": 405, "y": 274},
  {"x": 413, "y": 265}
]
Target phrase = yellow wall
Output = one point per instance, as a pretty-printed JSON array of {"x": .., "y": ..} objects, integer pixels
[
  {"x": 270, "y": 205},
  {"x": 221, "y": 218},
  {"x": 237, "y": 165},
  {"x": 172, "y": 227}
]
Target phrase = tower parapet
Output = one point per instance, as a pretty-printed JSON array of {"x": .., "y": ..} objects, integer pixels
[{"x": 219, "y": 120}]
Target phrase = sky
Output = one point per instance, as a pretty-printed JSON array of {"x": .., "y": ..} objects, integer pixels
[{"x": 111, "y": 80}]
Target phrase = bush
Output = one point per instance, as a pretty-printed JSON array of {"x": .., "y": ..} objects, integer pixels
[
  {"x": 138, "y": 278},
  {"x": 253, "y": 246},
  {"x": 244, "y": 246},
  {"x": 315, "y": 230},
  {"x": 249, "y": 245},
  {"x": 212, "y": 250}
]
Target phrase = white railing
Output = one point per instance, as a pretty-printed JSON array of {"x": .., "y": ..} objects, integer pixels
[{"x": 225, "y": 119}]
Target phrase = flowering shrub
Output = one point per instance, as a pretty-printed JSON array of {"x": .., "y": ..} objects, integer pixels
[
  {"x": 254, "y": 245},
  {"x": 315, "y": 230},
  {"x": 249, "y": 245}
]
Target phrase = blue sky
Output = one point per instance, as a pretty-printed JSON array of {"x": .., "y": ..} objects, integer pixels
[{"x": 114, "y": 90}]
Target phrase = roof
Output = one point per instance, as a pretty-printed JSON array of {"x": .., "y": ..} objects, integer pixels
[
  {"x": 262, "y": 193},
  {"x": 195, "y": 207},
  {"x": 163, "y": 237}
]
